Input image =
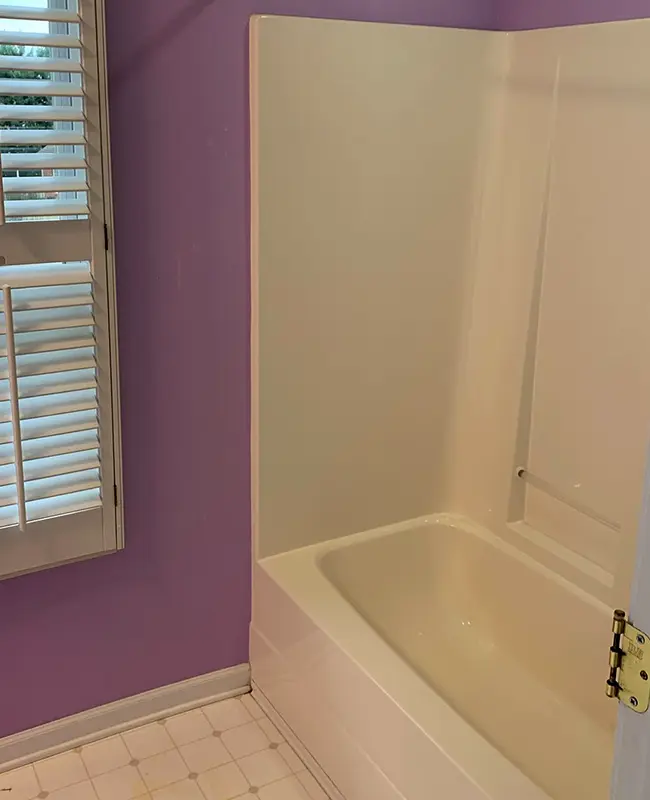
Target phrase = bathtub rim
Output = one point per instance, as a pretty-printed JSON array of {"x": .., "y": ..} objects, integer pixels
[{"x": 322, "y": 550}]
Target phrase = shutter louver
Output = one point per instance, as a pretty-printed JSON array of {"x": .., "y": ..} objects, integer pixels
[
  {"x": 56, "y": 418},
  {"x": 42, "y": 113},
  {"x": 54, "y": 378}
]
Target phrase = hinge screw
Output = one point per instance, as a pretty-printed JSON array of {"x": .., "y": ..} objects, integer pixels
[
  {"x": 634, "y": 702},
  {"x": 640, "y": 639},
  {"x": 644, "y": 675}
]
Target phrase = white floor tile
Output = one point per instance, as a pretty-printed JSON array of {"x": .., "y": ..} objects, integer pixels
[
  {"x": 314, "y": 789},
  {"x": 185, "y": 790},
  {"x": 220, "y": 752},
  {"x": 105, "y": 755},
  {"x": 163, "y": 769},
  {"x": 124, "y": 783},
  {"x": 223, "y": 783},
  {"x": 270, "y": 730},
  {"x": 264, "y": 767},
  {"x": 80, "y": 791},
  {"x": 188, "y": 727},
  {"x": 19, "y": 784},
  {"x": 148, "y": 741},
  {"x": 205, "y": 754},
  {"x": 252, "y": 707},
  {"x": 227, "y": 714},
  {"x": 245, "y": 739},
  {"x": 289, "y": 755},
  {"x": 286, "y": 789},
  {"x": 60, "y": 771}
]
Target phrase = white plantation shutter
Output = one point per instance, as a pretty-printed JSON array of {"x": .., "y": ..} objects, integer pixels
[{"x": 59, "y": 463}]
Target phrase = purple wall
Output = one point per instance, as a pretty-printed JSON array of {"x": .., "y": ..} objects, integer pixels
[
  {"x": 518, "y": 14},
  {"x": 175, "y": 603}
]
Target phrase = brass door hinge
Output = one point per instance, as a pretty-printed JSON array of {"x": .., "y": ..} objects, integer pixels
[{"x": 629, "y": 659}]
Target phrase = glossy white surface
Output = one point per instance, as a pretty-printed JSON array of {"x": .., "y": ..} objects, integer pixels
[
  {"x": 555, "y": 373},
  {"x": 401, "y": 690},
  {"x": 446, "y": 597},
  {"x": 367, "y": 154},
  {"x": 467, "y": 278}
]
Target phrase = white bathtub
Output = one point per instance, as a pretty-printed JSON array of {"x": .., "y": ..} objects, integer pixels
[{"x": 405, "y": 662}]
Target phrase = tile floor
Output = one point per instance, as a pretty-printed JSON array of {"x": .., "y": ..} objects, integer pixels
[{"x": 222, "y": 751}]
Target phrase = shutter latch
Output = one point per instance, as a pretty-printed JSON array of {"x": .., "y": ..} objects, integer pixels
[{"x": 629, "y": 664}]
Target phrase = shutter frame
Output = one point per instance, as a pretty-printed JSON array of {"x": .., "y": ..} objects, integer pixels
[{"x": 70, "y": 527}]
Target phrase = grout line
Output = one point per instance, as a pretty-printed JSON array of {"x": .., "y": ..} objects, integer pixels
[
  {"x": 167, "y": 750},
  {"x": 254, "y": 722},
  {"x": 38, "y": 780},
  {"x": 83, "y": 764},
  {"x": 189, "y": 771}
]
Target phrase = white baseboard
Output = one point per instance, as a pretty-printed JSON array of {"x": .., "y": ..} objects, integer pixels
[
  {"x": 310, "y": 762},
  {"x": 55, "y": 737}
]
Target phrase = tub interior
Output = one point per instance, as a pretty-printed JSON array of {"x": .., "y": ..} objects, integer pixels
[{"x": 528, "y": 676}]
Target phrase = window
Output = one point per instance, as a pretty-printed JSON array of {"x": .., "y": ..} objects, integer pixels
[{"x": 59, "y": 420}]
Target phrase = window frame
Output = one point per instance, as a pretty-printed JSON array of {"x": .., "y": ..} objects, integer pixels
[{"x": 116, "y": 531}]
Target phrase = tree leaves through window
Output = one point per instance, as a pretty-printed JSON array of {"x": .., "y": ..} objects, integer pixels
[{"x": 24, "y": 100}]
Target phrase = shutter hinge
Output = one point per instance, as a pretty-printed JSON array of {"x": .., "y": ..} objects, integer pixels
[
  {"x": 629, "y": 659},
  {"x": 106, "y": 237},
  {"x": 115, "y": 495}
]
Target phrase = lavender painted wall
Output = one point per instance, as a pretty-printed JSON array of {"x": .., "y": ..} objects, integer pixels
[
  {"x": 175, "y": 603},
  {"x": 520, "y": 14}
]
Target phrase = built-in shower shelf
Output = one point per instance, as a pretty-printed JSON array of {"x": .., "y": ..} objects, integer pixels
[{"x": 557, "y": 494}]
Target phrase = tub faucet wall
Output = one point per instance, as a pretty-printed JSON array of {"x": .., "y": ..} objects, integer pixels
[{"x": 366, "y": 195}]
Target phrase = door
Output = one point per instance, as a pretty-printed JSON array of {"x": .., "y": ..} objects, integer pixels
[{"x": 631, "y": 774}]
